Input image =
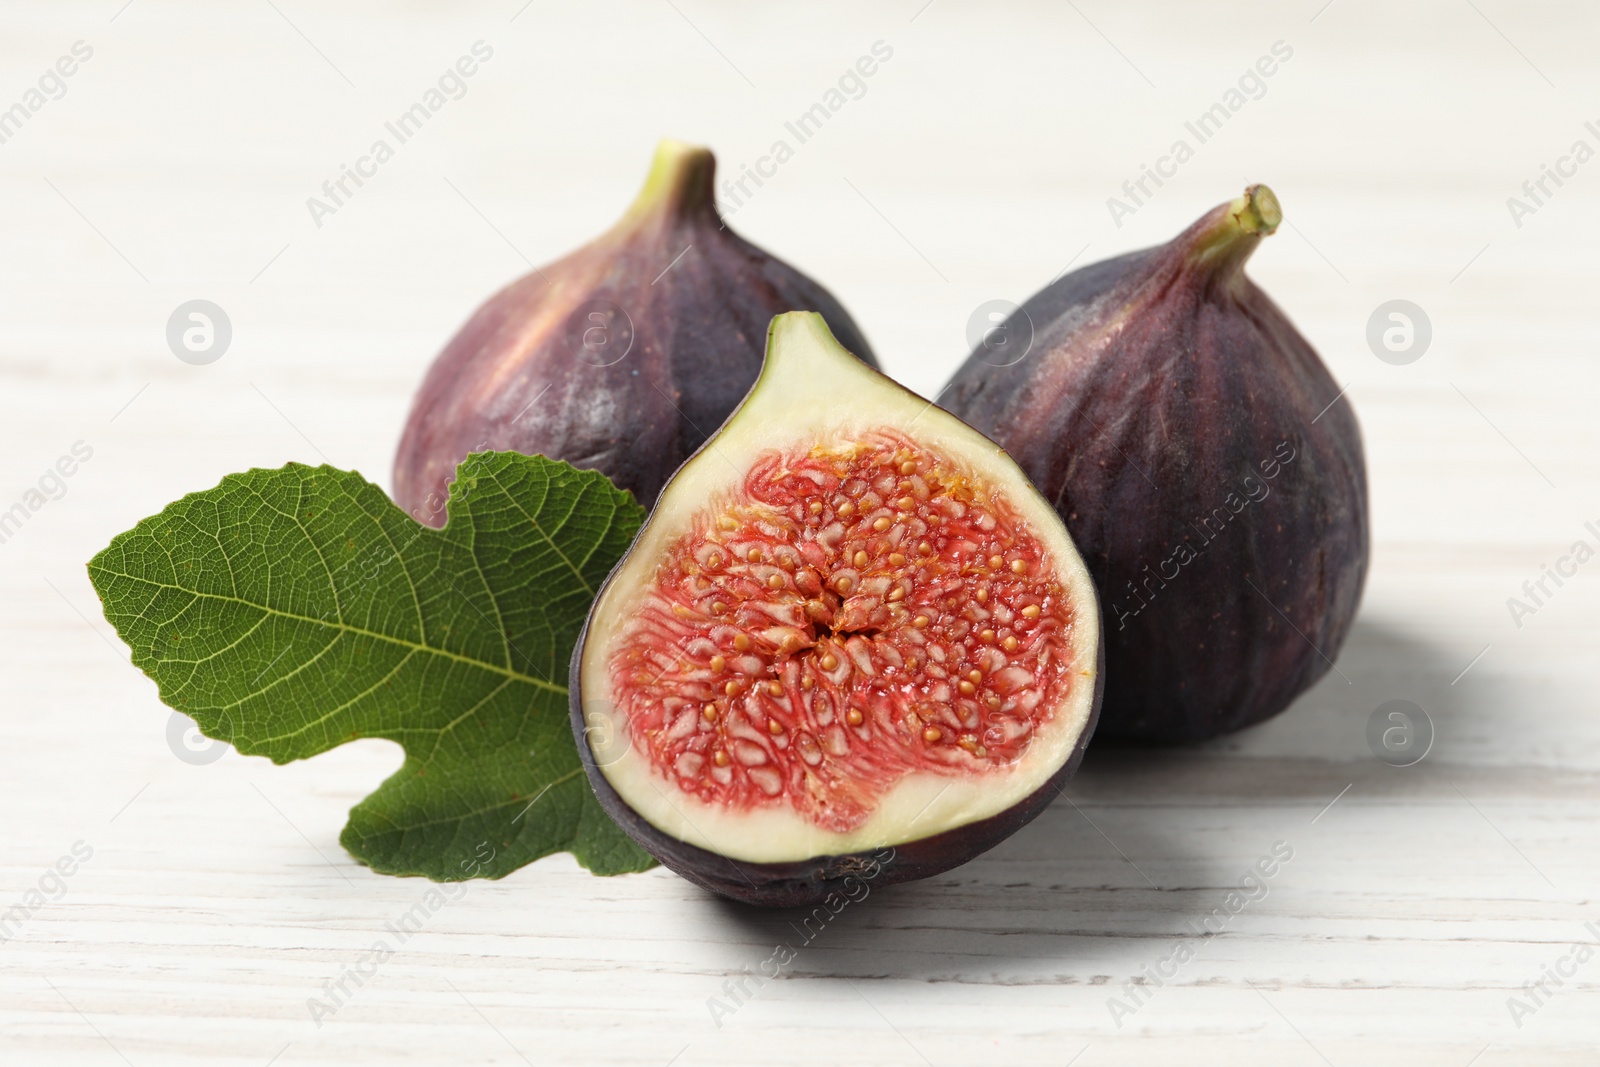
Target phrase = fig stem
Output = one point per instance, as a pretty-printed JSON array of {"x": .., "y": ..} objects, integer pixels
[
  {"x": 681, "y": 182},
  {"x": 1257, "y": 210},
  {"x": 1223, "y": 239}
]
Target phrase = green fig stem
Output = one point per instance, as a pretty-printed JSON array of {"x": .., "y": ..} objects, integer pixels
[
  {"x": 1226, "y": 236},
  {"x": 1257, "y": 211},
  {"x": 681, "y": 183}
]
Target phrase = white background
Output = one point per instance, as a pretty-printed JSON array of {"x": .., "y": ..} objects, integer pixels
[{"x": 981, "y": 156}]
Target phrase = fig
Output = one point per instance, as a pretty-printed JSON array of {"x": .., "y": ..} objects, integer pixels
[
  {"x": 851, "y": 644},
  {"x": 1199, "y": 452},
  {"x": 621, "y": 357}
]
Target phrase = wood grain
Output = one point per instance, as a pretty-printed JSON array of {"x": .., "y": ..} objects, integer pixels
[{"x": 976, "y": 164}]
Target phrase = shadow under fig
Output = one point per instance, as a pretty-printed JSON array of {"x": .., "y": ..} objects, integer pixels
[
  {"x": 1383, "y": 662},
  {"x": 1050, "y": 896},
  {"x": 1109, "y": 875}
]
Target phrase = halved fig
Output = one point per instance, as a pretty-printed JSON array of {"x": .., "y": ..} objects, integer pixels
[{"x": 851, "y": 643}]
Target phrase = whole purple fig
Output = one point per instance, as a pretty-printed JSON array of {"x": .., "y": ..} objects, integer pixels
[
  {"x": 1197, "y": 449},
  {"x": 622, "y": 357}
]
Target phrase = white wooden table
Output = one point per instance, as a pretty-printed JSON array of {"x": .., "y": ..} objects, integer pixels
[{"x": 975, "y": 165}]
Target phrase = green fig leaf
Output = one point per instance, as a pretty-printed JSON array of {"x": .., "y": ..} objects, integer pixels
[{"x": 289, "y": 611}]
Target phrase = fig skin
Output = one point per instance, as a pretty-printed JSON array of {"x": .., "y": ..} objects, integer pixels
[
  {"x": 816, "y": 879},
  {"x": 1155, "y": 407},
  {"x": 804, "y": 883},
  {"x": 526, "y": 374}
]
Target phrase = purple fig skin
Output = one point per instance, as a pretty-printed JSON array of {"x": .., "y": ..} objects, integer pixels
[
  {"x": 810, "y": 882},
  {"x": 519, "y": 377},
  {"x": 1191, "y": 439}
]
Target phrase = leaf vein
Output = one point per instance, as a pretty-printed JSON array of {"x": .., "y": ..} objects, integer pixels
[{"x": 357, "y": 631}]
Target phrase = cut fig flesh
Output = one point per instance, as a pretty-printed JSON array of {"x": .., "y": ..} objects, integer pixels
[{"x": 850, "y": 624}]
